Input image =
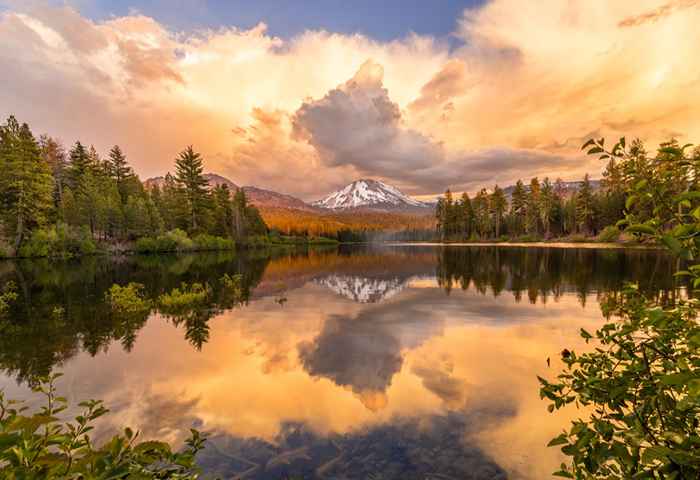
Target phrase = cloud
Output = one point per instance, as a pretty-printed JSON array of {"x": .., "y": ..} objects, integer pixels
[
  {"x": 658, "y": 13},
  {"x": 308, "y": 114},
  {"x": 358, "y": 124},
  {"x": 364, "y": 359}
]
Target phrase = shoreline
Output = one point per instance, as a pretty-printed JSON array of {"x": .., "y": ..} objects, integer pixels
[{"x": 586, "y": 245}]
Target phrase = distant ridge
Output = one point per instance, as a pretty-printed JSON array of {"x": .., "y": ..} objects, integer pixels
[{"x": 257, "y": 196}]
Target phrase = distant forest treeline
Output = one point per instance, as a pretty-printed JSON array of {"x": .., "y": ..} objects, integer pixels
[{"x": 545, "y": 209}]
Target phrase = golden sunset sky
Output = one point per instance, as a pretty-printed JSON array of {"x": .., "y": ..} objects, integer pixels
[{"x": 512, "y": 91}]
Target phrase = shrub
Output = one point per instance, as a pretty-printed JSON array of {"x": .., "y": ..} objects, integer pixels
[
  {"x": 58, "y": 241},
  {"x": 233, "y": 286},
  {"x": 146, "y": 245},
  {"x": 322, "y": 241},
  {"x": 609, "y": 234},
  {"x": 529, "y": 238},
  {"x": 179, "y": 239},
  {"x": 7, "y": 296},
  {"x": 38, "y": 445},
  {"x": 5, "y": 249},
  {"x": 127, "y": 299},
  {"x": 232, "y": 282},
  {"x": 256, "y": 241},
  {"x": 180, "y": 300},
  {"x": 577, "y": 238},
  {"x": 210, "y": 242}
]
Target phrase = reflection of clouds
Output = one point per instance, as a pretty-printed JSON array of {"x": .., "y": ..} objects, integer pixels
[
  {"x": 352, "y": 354},
  {"x": 442, "y": 383}
]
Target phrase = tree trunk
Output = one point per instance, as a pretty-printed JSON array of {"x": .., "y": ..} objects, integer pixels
[{"x": 20, "y": 233}]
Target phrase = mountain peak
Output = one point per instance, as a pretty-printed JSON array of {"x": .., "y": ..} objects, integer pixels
[{"x": 368, "y": 193}]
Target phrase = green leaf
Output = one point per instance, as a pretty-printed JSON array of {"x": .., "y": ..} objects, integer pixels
[
  {"x": 672, "y": 243},
  {"x": 640, "y": 228},
  {"x": 676, "y": 379},
  {"x": 560, "y": 440},
  {"x": 562, "y": 473},
  {"x": 585, "y": 335},
  {"x": 588, "y": 143}
]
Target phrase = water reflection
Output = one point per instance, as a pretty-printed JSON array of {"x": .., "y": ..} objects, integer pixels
[{"x": 392, "y": 363}]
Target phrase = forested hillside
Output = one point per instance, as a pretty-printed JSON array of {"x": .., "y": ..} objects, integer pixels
[
  {"x": 546, "y": 209},
  {"x": 61, "y": 202}
]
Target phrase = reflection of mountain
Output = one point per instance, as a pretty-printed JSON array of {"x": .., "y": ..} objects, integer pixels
[
  {"x": 364, "y": 275},
  {"x": 364, "y": 289}
]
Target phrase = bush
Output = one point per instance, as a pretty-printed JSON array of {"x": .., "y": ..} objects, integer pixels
[
  {"x": 257, "y": 241},
  {"x": 609, "y": 234},
  {"x": 58, "y": 241},
  {"x": 527, "y": 238},
  {"x": 576, "y": 238},
  {"x": 5, "y": 249},
  {"x": 38, "y": 445},
  {"x": 178, "y": 241},
  {"x": 128, "y": 299},
  {"x": 182, "y": 299},
  {"x": 7, "y": 296},
  {"x": 322, "y": 241},
  {"x": 210, "y": 242}
]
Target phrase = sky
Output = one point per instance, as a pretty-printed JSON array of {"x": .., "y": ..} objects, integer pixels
[{"x": 303, "y": 97}]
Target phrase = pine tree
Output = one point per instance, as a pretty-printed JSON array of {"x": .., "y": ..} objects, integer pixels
[
  {"x": 482, "y": 213},
  {"x": 467, "y": 215},
  {"x": 190, "y": 179},
  {"x": 79, "y": 165},
  {"x": 546, "y": 205},
  {"x": 25, "y": 184},
  {"x": 54, "y": 155},
  {"x": 518, "y": 206},
  {"x": 240, "y": 203},
  {"x": 450, "y": 217},
  {"x": 498, "y": 205},
  {"x": 584, "y": 206},
  {"x": 440, "y": 217},
  {"x": 120, "y": 171},
  {"x": 532, "y": 214},
  {"x": 223, "y": 211}
]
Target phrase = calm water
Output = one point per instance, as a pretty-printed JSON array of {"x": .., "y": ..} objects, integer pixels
[{"x": 405, "y": 362}]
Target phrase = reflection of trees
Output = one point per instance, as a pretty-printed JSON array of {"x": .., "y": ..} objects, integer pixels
[
  {"x": 546, "y": 273},
  {"x": 61, "y": 308}
]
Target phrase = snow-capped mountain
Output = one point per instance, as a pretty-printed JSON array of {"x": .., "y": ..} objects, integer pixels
[{"x": 371, "y": 194}]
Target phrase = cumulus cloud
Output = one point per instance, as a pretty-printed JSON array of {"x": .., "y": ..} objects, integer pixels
[
  {"x": 512, "y": 101},
  {"x": 358, "y": 124}
]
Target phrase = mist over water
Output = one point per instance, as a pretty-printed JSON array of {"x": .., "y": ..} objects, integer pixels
[{"x": 397, "y": 362}]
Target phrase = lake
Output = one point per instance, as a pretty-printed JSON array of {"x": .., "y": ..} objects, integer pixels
[{"x": 351, "y": 362}]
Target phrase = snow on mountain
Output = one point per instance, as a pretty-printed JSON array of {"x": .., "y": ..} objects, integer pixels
[{"x": 368, "y": 194}]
